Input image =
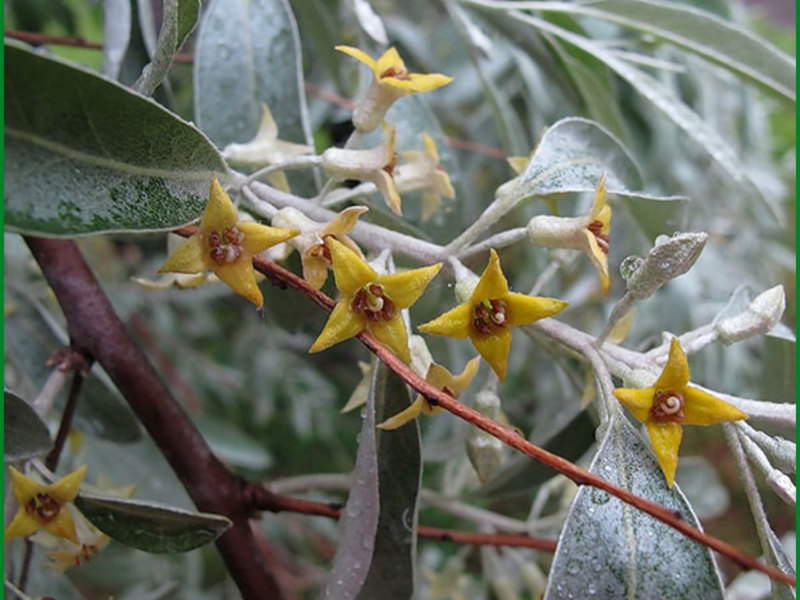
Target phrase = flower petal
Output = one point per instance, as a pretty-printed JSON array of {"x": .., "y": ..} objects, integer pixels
[
  {"x": 258, "y": 237},
  {"x": 405, "y": 288},
  {"x": 359, "y": 55},
  {"x": 343, "y": 222},
  {"x": 389, "y": 60},
  {"x": 417, "y": 82},
  {"x": 22, "y": 525},
  {"x": 701, "y": 408},
  {"x": 268, "y": 128},
  {"x": 638, "y": 400},
  {"x": 385, "y": 184},
  {"x": 63, "y": 526},
  {"x": 404, "y": 416},
  {"x": 24, "y": 487},
  {"x": 430, "y": 147},
  {"x": 523, "y": 309},
  {"x": 66, "y": 488},
  {"x": 190, "y": 257},
  {"x": 342, "y": 324},
  {"x": 494, "y": 348},
  {"x": 675, "y": 375},
  {"x": 599, "y": 260},
  {"x": 220, "y": 211},
  {"x": 454, "y": 323},
  {"x": 666, "y": 439},
  {"x": 493, "y": 283},
  {"x": 315, "y": 268},
  {"x": 350, "y": 270},
  {"x": 241, "y": 278},
  {"x": 393, "y": 335},
  {"x": 462, "y": 381}
]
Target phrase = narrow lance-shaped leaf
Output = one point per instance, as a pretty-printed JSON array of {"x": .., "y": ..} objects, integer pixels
[
  {"x": 26, "y": 435},
  {"x": 377, "y": 548},
  {"x": 87, "y": 155},
  {"x": 247, "y": 55},
  {"x": 151, "y": 527},
  {"x": 669, "y": 104},
  {"x": 608, "y": 549},
  {"x": 705, "y": 34}
]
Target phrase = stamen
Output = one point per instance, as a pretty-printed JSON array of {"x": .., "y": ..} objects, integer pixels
[
  {"x": 667, "y": 406},
  {"x": 225, "y": 248},
  {"x": 44, "y": 506},
  {"x": 488, "y": 315}
]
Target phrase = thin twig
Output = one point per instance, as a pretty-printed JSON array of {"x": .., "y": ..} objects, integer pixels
[
  {"x": 51, "y": 461},
  {"x": 263, "y": 499}
]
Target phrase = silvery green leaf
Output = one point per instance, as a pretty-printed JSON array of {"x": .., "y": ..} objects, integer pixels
[
  {"x": 248, "y": 54},
  {"x": 370, "y": 22},
  {"x": 85, "y": 154},
  {"x": 701, "y": 32},
  {"x": 700, "y": 483},
  {"x": 116, "y": 34},
  {"x": 149, "y": 526},
  {"x": 377, "y": 542},
  {"x": 670, "y": 105},
  {"x": 609, "y": 549},
  {"x": 668, "y": 259},
  {"x": 26, "y": 435}
]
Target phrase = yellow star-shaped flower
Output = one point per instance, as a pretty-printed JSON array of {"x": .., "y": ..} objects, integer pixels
[
  {"x": 371, "y": 301},
  {"x": 43, "y": 505},
  {"x": 442, "y": 379},
  {"x": 488, "y": 315},
  {"x": 587, "y": 233},
  {"x": 226, "y": 246},
  {"x": 392, "y": 80},
  {"x": 670, "y": 404}
]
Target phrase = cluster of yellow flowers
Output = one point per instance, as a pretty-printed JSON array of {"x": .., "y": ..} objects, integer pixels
[{"x": 372, "y": 302}]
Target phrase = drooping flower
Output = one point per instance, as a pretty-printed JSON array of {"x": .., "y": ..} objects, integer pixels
[
  {"x": 587, "y": 233},
  {"x": 420, "y": 170},
  {"x": 311, "y": 242},
  {"x": 44, "y": 506},
  {"x": 490, "y": 312},
  {"x": 439, "y": 377},
  {"x": 376, "y": 165},
  {"x": 671, "y": 403},
  {"x": 392, "y": 81},
  {"x": 226, "y": 245},
  {"x": 371, "y": 301}
]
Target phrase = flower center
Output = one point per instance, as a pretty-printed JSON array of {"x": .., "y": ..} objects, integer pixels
[
  {"x": 667, "y": 406},
  {"x": 371, "y": 302},
  {"x": 391, "y": 165},
  {"x": 225, "y": 247},
  {"x": 602, "y": 240},
  {"x": 322, "y": 250},
  {"x": 489, "y": 315},
  {"x": 45, "y": 507},
  {"x": 396, "y": 72}
]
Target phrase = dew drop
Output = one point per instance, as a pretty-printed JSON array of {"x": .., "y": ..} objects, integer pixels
[
  {"x": 592, "y": 589},
  {"x": 600, "y": 496}
]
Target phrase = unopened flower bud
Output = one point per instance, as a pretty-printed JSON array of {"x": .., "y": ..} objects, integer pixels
[
  {"x": 759, "y": 317},
  {"x": 669, "y": 258}
]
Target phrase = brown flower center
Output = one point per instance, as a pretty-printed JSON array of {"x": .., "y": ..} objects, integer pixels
[
  {"x": 667, "y": 406},
  {"x": 225, "y": 247},
  {"x": 371, "y": 302},
  {"x": 489, "y": 315},
  {"x": 391, "y": 165},
  {"x": 44, "y": 506},
  {"x": 595, "y": 227},
  {"x": 396, "y": 72},
  {"x": 322, "y": 250}
]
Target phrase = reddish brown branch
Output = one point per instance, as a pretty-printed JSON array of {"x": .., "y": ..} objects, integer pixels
[
  {"x": 95, "y": 330},
  {"x": 516, "y": 441},
  {"x": 263, "y": 499}
]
